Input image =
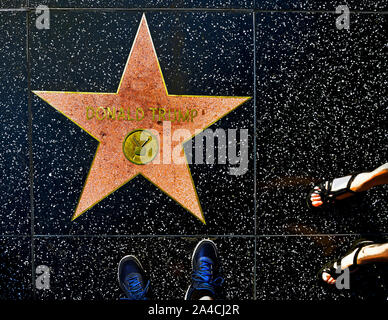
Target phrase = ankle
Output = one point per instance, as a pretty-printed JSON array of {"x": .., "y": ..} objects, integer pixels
[
  {"x": 360, "y": 182},
  {"x": 362, "y": 256}
]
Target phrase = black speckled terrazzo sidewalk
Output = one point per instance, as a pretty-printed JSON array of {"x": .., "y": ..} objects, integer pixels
[{"x": 318, "y": 111}]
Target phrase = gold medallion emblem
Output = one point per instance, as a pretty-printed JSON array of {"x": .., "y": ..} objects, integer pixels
[{"x": 140, "y": 146}]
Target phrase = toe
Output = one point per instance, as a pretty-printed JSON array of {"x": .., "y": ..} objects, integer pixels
[
  {"x": 328, "y": 278},
  {"x": 317, "y": 203}
]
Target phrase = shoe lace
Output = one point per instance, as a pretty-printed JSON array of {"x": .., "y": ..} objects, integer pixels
[
  {"x": 134, "y": 288},
  {"x": 204, "y": 276}
]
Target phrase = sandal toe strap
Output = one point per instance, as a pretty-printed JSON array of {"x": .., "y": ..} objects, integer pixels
[
  {"x": 330, "y": 269},
  {"x": 339, "y": 186}
]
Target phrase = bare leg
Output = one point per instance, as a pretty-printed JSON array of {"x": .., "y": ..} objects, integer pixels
[
  {"x": 367, "y": 180},
  {"x": 362, "y": 182},
  {"x": 368, "y": 254},
  {"x": 373, "y": 253}
]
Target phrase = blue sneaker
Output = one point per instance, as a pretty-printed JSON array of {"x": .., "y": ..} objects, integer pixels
[
  {"x": 133, "y": 279},
  {"x": 206, "y": 280}
]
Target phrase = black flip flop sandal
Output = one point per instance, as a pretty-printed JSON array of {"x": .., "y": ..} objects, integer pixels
[
  {"x": 332, "y": 271},
  {"x": 330, "y": 190}
]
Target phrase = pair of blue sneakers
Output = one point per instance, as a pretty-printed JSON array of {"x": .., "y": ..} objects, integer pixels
[{"x": 206, "y": 279}]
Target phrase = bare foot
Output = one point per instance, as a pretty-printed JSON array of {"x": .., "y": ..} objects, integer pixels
[
  {"x": 316, "y": 200},
  {"x": 346, "y": 262}
]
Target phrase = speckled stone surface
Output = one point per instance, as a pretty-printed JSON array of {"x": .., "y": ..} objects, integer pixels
[
  {"x": 287, "y": 269},
  {"x": 329, "y": 5},
  {"x": 86, "y": 268},
  {"x": 224, "y": 4},
  {"x": 90, "y": 56},
  {"x": 14, "y": 152},
  {"x": 12, "y": 4},
  {"x": 15, "y": 268},
  {"x": 322, "y": 113}
]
